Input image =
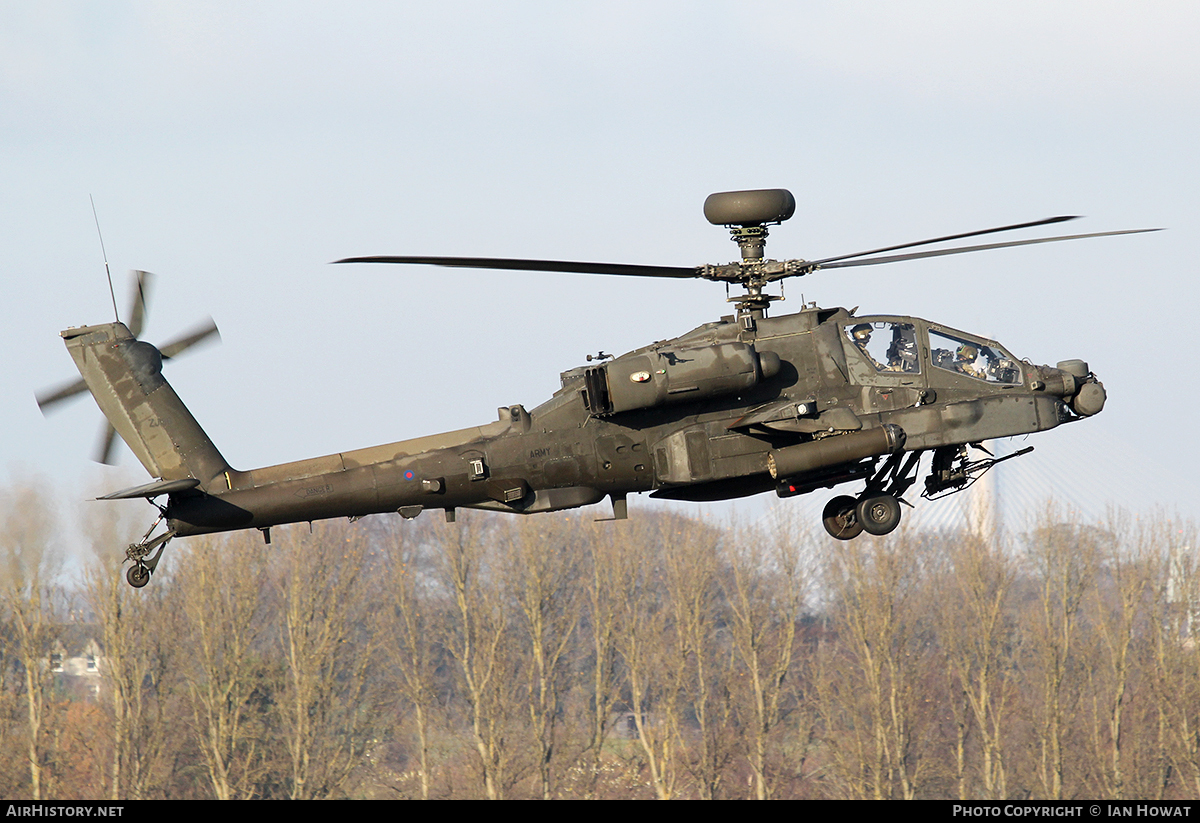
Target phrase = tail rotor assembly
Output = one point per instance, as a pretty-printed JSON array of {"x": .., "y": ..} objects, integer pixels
[{"x": 142, "y": 283}]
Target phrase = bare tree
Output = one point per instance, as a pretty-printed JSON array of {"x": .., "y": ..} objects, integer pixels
[
  {"x": 13, "y": 768},
  {"x": 1177, "y": 657},
  {"x": 872, "y": 691},
  {"x": 1062, "y": 561},
  {"x": 476, "y": 634},
  {"x": 976, "y": 635},
  {"x": 328, "y": 639},
  {"x": 610, "y": 567},
  {"x": 28, "y": 567},
  {"x": 137, "y": 633},
  {"x": 1157, "y": 682},
  {"x": 703, "y": 717},
  {"x": 765, "y": 591},
  {"x": 544, "y": 563},
  {"x": 913, "y": 666},
  {"x": 412, "y": 624},
  {"x": 650, "y": 650},
  {"x": 1127, "y": 568},
  {"x": 220, "y": 584}
]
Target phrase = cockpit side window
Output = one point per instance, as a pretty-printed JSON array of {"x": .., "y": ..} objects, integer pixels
[
  {"x": 973, "y": 359},
  {"x": 889, "y": 346}
]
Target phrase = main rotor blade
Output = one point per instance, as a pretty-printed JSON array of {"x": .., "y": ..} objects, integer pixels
[
  {"x": 107, "y": 440},
  {"x": 569, "y": 266},
  {"x": 1047, "y": 221},
  {"x": 180, "y": 345},
  {"x": 895, "y": 258},
  {"x": 141, "y": 292},
  {"x": 50, "y": 398}
]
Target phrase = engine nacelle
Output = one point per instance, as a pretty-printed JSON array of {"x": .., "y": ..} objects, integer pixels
[{"x": 665, "y": 376}]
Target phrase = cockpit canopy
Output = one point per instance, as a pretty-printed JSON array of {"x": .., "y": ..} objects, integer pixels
[{"x": 894, "y": 345}]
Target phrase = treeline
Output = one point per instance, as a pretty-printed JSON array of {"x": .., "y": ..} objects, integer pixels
[{"x": 556, "y": 657}]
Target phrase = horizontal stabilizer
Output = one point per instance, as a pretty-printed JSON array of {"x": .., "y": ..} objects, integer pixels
[{"x": 149, "y": 490}]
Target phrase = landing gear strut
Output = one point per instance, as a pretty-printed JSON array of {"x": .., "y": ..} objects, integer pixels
[
  {"x": 877, "y": 510},
  {"x": 138, "y": 574}
]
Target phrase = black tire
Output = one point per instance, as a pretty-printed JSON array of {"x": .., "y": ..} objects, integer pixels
[
  {"x": 841, "y": 518},
  {"x": 879, "y": 514},
  {"x": 137, "y": 575}
]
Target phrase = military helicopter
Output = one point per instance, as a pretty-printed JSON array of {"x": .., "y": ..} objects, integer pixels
[{"x": 745, "y": 405}]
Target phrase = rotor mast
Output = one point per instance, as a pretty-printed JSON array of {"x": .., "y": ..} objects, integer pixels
[{"x": 747, "y": 214}]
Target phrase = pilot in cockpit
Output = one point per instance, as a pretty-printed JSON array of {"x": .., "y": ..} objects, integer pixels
[
  {"x": 964, "y": 361},
  {"x": 861, "y": 335},
  {"x": 902, "y": 353}
]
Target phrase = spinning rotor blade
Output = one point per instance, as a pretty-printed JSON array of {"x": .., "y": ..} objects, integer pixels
[
  {"x": 1013, "y": 227},
  {"x": 137, "y": 318},
  {"x": 49, "y": 399},
  {"x": 137, "y": 311},
  {"x": 895, "y": 258},
  {"x": 108, "y": 440},
  {"x": 738, "y": 272},
  {"x": 569, "y": 266},
  {"x": 142, "y": 281},
  {"x": 199, "y": 335}
]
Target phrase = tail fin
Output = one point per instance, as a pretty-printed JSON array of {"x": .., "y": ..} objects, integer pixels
[{"x": 124, "y": 375}]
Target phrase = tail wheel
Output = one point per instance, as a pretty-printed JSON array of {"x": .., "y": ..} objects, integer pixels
[
  {"x": 841, "y": 519},
  {"x": 137, "y": 575},
  {"x": 878, "y": 514}
]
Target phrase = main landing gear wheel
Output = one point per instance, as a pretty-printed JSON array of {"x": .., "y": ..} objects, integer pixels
[
  {"x": 878, "y": 514},
  {"x": 137, "y": 575},
  {"x": 841, "y": 518}
]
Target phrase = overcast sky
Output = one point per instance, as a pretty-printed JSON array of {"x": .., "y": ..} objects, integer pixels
[{"x": 235, "y": 149}]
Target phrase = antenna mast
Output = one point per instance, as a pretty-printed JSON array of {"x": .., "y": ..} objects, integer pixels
[{"x": 103, "y": 253}]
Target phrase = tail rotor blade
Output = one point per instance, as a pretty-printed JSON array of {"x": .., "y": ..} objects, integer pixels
[
  {"x": 142, "y": 281},
  {"x": 198, "y": 335},
  {"x": 142, "y": 286},
  {"x": 107, "y": 441},
  {"x": 47, "y": 400}
]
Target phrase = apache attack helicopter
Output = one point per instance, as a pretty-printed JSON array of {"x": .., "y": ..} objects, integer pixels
[{"x": 744, "y": 405}]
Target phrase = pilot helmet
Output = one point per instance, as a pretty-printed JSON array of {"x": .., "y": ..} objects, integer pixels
[
  {"x": 861, "y": 332},
  {"x": 967, "y": 352}
]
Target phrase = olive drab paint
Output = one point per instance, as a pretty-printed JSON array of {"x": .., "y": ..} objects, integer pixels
[{"x": 744, "y": 405}]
